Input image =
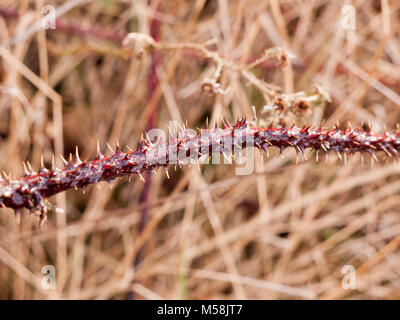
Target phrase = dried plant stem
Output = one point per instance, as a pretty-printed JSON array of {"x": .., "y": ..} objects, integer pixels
[{"x": 32, "y": 190}]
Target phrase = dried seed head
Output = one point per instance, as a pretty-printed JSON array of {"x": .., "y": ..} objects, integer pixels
[
  {"x": 281, "y": 55},
  {"x": 139, "y": 43}
]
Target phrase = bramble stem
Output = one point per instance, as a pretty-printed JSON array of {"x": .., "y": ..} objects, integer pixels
[{"x": 32, "y": 190}]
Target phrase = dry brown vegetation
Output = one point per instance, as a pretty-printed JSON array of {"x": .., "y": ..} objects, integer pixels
[{"x": 283, "y": 232}]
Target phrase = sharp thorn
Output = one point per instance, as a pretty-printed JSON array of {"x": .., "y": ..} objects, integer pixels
[
  {"x": 64, "y": 160},
  {"x": 109, "y": 147},
  {"x": 78, "y": 160},
  {"x": 41, "y": 162},
  {"x": 141, "y": 177},
  {"x": 25, "y": 168},
  {"x": 53, "y": 162},
  {"x": 99, "y": 155},
  {"x": 30, "y": 167},
  {"x": 5, "y": 174}
]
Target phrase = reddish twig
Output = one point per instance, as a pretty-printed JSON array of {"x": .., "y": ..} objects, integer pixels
[{"x": 32, "y": 190}]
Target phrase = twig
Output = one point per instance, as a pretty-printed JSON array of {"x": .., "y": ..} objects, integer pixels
[{"x": 32, "y": 190}]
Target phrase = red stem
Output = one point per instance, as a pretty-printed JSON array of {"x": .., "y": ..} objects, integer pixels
[{"x": 33, "y": 189}]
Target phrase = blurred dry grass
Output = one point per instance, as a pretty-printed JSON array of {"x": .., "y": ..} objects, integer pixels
[{"x": 284, "y": 232}]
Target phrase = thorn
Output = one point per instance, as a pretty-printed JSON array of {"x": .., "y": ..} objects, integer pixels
[
  {"x": 317, "y": 156},
  {"x": 349, "y": 125},
  {"x": 393, "y": 150},
  {"x": 5, "y": 174},
  {"x": 253, "y": 108},
  {"x": 141, "y": 177},
  {"x": 170, "y": 132},
  {"x": 40, "y": 224},
  {"x": 223, "y": 122},
  {"x": 78, "y": 160},
  {"x": 53, "y": 162},
  {"x": 206, "y": 123},
  {"x": 166, "y": 172},
  {"x": 226, "y": 157},
  {"x": 25, "y": 168},
  {"x": 181, "y": 131},
  {"x": 70, "y": 158},
  {"x": 148, "y": 138},
  {"x": 109, "y": 147},
  {"x": 42, "y": 167},
  {"x": 386, "y": 151},
  {"x": 43, "y": 218},
  {"x": 63, "y": 160},
  {"x": 30, "y": 167},
  {"x": 99, "y": 155},
  {"x": 41, "y": 162}
]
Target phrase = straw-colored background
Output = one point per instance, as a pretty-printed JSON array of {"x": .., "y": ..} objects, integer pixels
[{"x": 283, "y": 232}]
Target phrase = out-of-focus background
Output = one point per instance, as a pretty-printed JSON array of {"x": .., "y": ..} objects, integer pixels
[{"x": 286, "y": 231}]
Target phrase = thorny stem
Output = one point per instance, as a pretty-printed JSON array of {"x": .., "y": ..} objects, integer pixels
[{"x": 32, "y": 190}]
